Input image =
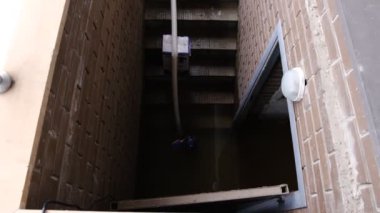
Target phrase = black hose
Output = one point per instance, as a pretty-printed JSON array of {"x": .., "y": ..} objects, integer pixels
[
  {"x": 75, "y": 206},
  {"x": 47, "y": 203}
]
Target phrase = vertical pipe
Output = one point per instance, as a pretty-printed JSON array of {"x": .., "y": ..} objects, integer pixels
[{"x": 175, "y": 67}]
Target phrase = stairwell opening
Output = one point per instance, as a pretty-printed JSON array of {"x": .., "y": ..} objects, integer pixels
[{"x": 97, "y": 141}]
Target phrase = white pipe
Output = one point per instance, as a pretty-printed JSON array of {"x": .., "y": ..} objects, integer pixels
[{"x": 175, "y": 67}]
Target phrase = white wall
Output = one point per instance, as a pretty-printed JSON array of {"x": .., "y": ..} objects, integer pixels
[{"x": 28, "y": 33}]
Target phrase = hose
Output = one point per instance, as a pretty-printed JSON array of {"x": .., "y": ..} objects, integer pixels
[{"x": 175, "y": 67}]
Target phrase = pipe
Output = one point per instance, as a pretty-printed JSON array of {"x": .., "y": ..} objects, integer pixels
[{"x": 175, "y": 67}]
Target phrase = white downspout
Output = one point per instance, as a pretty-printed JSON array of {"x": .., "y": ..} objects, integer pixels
[{"x": 175, "y": 67}]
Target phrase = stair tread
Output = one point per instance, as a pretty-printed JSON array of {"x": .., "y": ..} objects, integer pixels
[
  {"x": 198, "y": 57},
  {"x": 208, "y": 121},
  {"x": 204, "y": 28},
  {"x": 195, "y": 4},
  {"x": 195, "y": 71},
  {"x": 197, "y": 43},
  {"x": 181, "y": 1},
  {"x": 199, "y": 110},
  {"x": 218, "y": 12},
  {"x": 188, "y": 84},
  {"x": 191, "y": 82},
  {"x": 190, "y": 97},
  {"x": 189, "y": 107}
]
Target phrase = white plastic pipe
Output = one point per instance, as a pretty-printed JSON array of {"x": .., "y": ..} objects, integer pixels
[{"x": 175, "y": 67}]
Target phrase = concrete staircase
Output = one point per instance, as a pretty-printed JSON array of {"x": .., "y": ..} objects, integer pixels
[{"x": 206, "y": 94}]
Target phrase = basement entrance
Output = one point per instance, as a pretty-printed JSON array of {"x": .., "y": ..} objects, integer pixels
[{"x": 89, "y": 141}]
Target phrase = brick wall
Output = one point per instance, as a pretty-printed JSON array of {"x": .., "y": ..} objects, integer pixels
[
  {"x": 338, "y": 162},
  {"x": 87, "y": 149}
]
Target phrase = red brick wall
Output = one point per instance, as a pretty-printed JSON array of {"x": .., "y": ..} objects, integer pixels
[
  {"x": 336, "y": 147},
  {"x": 90, "y": 133}
]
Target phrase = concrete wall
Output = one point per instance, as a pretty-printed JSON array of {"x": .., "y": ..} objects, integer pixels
[
  {"x": 365, "y": 51},
  {"x": 338, "y": 158},
  {"x": 88, "y": 144}
]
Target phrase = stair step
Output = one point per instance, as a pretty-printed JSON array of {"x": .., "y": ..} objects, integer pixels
[
  {"x": 198, "y": 57},
  {"x": 188, "y": 97},
  {"x": 201, "y": 123},
  {"x": 205, "y": 28},
  {"x": 197, "y": 43},
  {"x": 192, "y": 82},
  {"x": 194, "y": 11},
  {"x": 188, "y": 84},
  {"x": 198, "y": 120},
  {"x": 185, "y": 1},
  {"x": 226, "y": 108},
  {"x": 195, "y": 71},
  {"x": 198, "y": 110}
]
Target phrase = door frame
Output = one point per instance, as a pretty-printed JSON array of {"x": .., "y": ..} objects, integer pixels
[{"x": 275, "y": 48}]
